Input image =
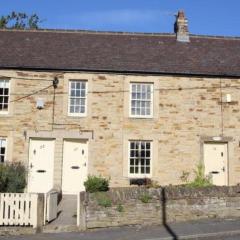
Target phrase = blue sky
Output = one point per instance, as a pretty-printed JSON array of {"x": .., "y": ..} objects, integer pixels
[{"x": 211, "y": 17}]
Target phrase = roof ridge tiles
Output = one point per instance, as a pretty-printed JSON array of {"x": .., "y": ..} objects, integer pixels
[{"x": 119, "y": 33}]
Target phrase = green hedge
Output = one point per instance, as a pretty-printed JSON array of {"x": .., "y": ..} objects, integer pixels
[
  {"x": 96, "y": 184},
  {"x": 12, "y": 177}
]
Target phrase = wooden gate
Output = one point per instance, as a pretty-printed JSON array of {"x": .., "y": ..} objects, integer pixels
[{"x": 18, "y": 209}]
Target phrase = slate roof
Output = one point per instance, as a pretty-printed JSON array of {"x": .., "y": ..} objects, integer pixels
[{"x": 119, "y": 52}]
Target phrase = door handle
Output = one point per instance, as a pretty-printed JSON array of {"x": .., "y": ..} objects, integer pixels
[{"x": 215, "y": 172}]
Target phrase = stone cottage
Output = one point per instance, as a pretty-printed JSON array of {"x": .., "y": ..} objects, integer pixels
[{"x": 121, "y": 105}]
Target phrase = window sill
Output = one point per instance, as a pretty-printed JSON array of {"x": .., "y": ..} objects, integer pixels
[
  {"x": 77, "y": 116},
  {"x": 5, "y": 115},
  {"x": 141, "y": 117},
  {"x": 139, "y": 176}
]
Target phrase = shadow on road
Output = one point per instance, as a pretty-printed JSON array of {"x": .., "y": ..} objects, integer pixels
[{"x": 164, "y": 216}]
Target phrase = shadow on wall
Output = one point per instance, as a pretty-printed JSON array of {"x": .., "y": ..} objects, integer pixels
[{"x": 164, "y": 216}]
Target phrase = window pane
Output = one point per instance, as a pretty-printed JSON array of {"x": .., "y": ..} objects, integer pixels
[
  {"x": 6, "y": 91},
  {"x": 82, "y": 109},
  {"x": 77, "y": 93},
  {"x": 133, "y": 111},
  {"x": 73, "y": 85},
  {"x": 77, "y": 109},
  {"x": 131, "y": 161},
  {"x": 71, "y": 109},
  {"x": 2, "y": 151},
  {"x": 77, "y": 85},
  {"x": 131, "y": 169}
]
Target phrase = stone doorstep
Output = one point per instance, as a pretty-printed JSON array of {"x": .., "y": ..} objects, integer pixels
[{"x": 60, "y": 228}]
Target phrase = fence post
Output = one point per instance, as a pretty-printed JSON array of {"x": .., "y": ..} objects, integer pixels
[
  {"x": 39, "y": 213},
  {"x": 81, "y": 211}
]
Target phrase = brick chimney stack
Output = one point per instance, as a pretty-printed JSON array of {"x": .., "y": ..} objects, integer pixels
[{"x": 181, "y": 27}]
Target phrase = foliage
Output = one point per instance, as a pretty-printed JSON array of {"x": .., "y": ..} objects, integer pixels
[
  {"x": 96, "y": 184},
  {"x": 12, "y": 177},
  {"x": 145, "y": 198},
  {"x": 185, "y": 177},
  {"x": 103, "y": 200},
  {"x": 20, "y": 20},
  {"x": 152, "y": 184},
  {"x": 120, "y": 208},
  {"x": 200, "y": 179}
]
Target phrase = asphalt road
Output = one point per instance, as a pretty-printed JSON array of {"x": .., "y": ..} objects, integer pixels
[{"x": 207, "y": 229}]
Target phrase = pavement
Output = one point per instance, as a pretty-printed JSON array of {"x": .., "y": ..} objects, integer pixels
[{"x": 228, "y": 229}]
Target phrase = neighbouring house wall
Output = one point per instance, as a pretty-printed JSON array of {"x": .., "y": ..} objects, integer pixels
[
  {"x": 187, "y": 110},
  {"x": 170, "y": 204}
]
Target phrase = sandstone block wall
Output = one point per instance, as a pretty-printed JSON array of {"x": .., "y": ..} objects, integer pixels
[{"x": 170, "y": 204}]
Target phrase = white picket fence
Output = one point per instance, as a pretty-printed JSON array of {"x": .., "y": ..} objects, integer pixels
[{"x": 18, "y": 209}]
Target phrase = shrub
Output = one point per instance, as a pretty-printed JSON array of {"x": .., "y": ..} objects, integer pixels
[
  {"x": 200, "y": 179},
  {"x": 96, "y": 184},
  {"x": 12, "y": 177},
  {"x": 120, "y": 208},
  {"x": 103, "y": 200},
  {"x": 145, "y": 198},
  {"x": 185, "y": 177}
]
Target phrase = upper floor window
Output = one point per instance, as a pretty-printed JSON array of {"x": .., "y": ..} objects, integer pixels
[
  {"x": 77, "y": 105},
  {"x": 140, "y": 158},
  {"x": 4, "y": 96},
  {"x": 3, "y": 143},
  {"x": 141, "y": 100}
]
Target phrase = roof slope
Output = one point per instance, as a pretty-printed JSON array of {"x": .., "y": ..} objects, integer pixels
[{"x": 121, "y": 52}]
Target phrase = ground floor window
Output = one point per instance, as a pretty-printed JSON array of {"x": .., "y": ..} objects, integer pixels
[
  {"x": 140, "y": 158},
  {"x": 3, "y": 146}
]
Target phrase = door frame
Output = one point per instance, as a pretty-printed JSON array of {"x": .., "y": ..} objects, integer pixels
[
  {"x": 28, "y": 156},
  {"x": 220, "y": 140},
  {"x": 84, "y": 140}
]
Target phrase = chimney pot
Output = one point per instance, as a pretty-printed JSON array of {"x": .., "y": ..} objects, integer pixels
[{"x": 181, "y": 27}]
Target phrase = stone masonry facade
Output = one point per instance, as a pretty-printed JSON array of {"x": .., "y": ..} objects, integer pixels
[{"x": 187, "y": 111}]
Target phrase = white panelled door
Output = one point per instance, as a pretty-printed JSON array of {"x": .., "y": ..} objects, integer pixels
[
  {"x": 75, "y": 157},
  {"x": 40, "y": 168},
  {"x": 216, "y": 162}
]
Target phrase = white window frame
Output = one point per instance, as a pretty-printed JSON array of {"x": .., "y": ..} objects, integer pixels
[
  {"x": 5, "y": 154},
  {"x": 140, "y": 175},
  {"x": 151, "y": 100},
  {"x": 69, "y": 98},
  {"x": 6, "y": 111}
]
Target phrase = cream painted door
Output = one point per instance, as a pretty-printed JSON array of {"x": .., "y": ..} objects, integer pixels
[
  {"x": 216, "y": 162},
  {"x": 75, "y": 156},
  {"x": 40, "y": 168}
]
